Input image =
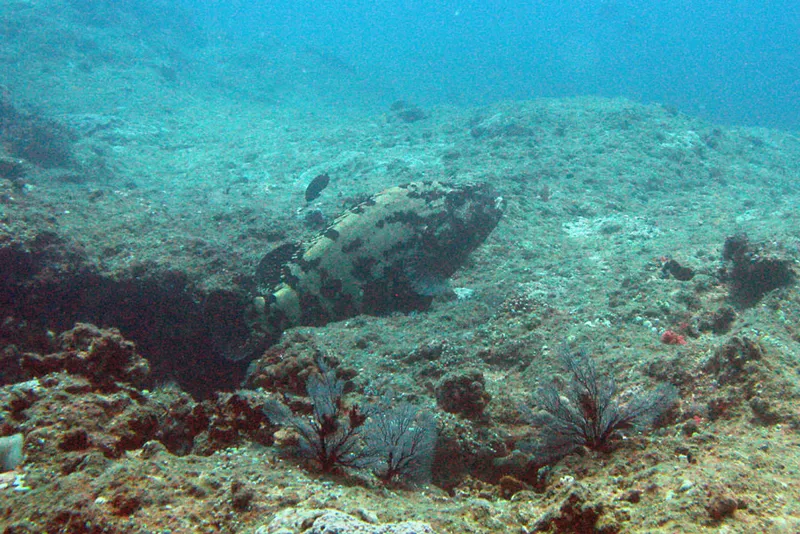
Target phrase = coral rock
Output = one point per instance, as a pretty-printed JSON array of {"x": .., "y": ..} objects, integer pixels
[
  {"x": 463, "y": 393},
  {"x": 328, "y": 521},
  {"x": 101, "y": 355}
]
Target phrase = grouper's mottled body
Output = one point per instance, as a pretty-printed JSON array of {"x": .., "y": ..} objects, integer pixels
[{"x": 387, "y": 254}]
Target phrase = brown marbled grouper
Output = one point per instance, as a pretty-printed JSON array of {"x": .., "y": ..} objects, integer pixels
[{"x": 393, "y": 252}]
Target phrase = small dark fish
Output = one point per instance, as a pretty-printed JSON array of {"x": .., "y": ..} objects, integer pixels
[{"x": 316, "y": 186}]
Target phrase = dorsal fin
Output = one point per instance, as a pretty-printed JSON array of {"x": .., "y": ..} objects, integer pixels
[{"x": 270, "y": 268}]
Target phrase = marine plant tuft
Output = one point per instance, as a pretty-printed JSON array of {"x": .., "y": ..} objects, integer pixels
[
  {"x": 391, "y": 437},
  {"x": 331, "y": 434},
  {"x": 589, "y": 411},
  {"x": 400, "y": 441}
]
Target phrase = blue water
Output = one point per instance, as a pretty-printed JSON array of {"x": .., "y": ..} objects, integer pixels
[{"x": 731, "y": 61}]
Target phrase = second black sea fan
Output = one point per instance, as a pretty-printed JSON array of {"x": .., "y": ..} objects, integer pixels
[{"x": 587, "y": 410}]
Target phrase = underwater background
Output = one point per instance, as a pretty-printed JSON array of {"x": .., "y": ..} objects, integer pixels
[
  {"x": 729, "y": 62},
  {"x": 399, "y": 266}
]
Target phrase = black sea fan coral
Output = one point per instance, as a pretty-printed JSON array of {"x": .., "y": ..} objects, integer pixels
[
  {"x": 392, "y": 437},
  {"x": 587, "y": 410},
  {"x": 332, "y": 434},
  {"x": 401, "y": 439}
]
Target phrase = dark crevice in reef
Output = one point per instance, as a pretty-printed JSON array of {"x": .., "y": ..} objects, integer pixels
[{"x": 184, "y": 334}]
